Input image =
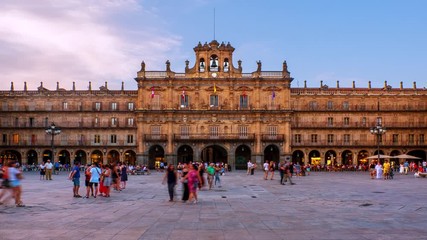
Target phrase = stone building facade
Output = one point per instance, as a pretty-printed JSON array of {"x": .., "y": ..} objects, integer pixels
[{"x": 213, "y": 112}]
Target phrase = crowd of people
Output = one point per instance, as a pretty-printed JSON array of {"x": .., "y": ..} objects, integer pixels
[{"x": 100, "y": 179}]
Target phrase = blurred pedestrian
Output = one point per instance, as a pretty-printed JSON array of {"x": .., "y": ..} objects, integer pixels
[
  {"x": 75, "y": 177},
  {"x": 171, "y": 177}
]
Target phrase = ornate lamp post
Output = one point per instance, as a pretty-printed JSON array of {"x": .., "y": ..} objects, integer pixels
[
  {"x": 378, "y": 130},
  {"x": 53, "y": 130}
]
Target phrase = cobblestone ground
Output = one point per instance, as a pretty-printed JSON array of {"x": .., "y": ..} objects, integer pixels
[{"x": 324, "y": 205}]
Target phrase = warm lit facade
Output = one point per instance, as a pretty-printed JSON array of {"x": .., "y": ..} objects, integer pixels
[{"x": 212, "y": 112}]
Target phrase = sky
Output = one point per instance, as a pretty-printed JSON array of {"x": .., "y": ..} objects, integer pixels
[{"x": 102, "y": 41}]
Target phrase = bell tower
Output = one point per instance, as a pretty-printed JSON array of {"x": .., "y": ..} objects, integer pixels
[{"x": 213, "y": 60}]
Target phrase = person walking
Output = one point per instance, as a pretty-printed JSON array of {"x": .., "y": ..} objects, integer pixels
[
  {"x": 266, "y": 167},
  {"x": 288, "y": 174},
  {"x": 123, "y": 175},
  {"x": 211, "y": 173},
  {"x": 171, "y": 177},
  {"x": 15, "y": 177},
  {"x": 282, "y": 171},
  {"x": 271, "y": 168},
  {"x": 75, "y": 177},
  {"x": 106, "y": 180},
  {"x": 42, "y": 171},
  {"x": 184, "y": 180},
  {"x": 49, "y": 167},
  {"x": 217, "y": 174},
  {"x": 193, "y": 182}
]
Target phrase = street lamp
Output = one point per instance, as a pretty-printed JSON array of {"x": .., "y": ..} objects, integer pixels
[
  {"x": 378, "y": 130},
  {"x": 52, "y": 130}
]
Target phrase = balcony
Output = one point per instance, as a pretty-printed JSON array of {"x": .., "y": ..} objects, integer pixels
[
  {"x": 220, "y": 137},
  {"x": 359, "y": 125},
  {"x": 155, "y": 137},
  {"x": 359, "y": 143},
  {"x": 63, "y": 143},
  {"x": 273, "y": 138}
]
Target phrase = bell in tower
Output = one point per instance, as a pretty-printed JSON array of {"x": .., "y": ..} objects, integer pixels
[{"x": 214, "y": 63}]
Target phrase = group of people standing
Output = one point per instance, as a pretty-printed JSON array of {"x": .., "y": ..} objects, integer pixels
[
  {"x": 192, "y": 177},
  {"x": 99, "y": 178},
  {"x": 381, "y": 171}
]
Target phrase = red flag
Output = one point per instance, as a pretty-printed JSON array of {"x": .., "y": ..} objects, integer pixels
[
  {"x": 152, "y": 92},
  {"x": 183, "y": 94}
]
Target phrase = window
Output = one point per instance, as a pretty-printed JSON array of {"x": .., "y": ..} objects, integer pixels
[
  {"x": 97, "y": 138},
  {"x": 130, "y": 138},
  {"x": 214, "y": 131},
  {"x": 226, "y": 65},
  {"x": 114, "y": 121},
  {"x": 297, "y": 138},
  {"x": 4, "y": 106},
  {"x": 213, "y": 101},
  {"x": 16, "y": 122},
  {"x": 411, "y": 139},
  {"x": 96, "y": 122},
  {"x": 32, "y": 122},
  {"x": 243, "y": 131},
  {"x": 314, "y": 138},
  {"x": 155, "y": 130},
  {"x": 4, "y": 139},
  {"x": 345, "y": 105},
  {"x": 15, "y": 138},
  {"x": 244, "y": 101},
  {"x": 346, "y": 121},
  {"x": 131, "y": 106},
  {"x": 330, "y": 105},
  {"x": 33, "y": 139},
  {"x": 330, "y": 121},
  {"x": 185, "y": 131},
  {"x": 202, "y": 65},
  {"x": 114, "y": 106},
  {"x": 130, "y": 122},
  {"x": 155, "y": 102},
  {"x": 98, "y": 106},
  {"x": 113, "y": 138},
  {"x": 395, "y": 138},
  {"x": 379, "y": 121},
  {"x": 421, "y": 139},
  {"x": 312, "y": 105},
  {"x": 330, "y": 138},
  {"x": 364, "y": 122},
  {"x": 64, "y": 106},
  {"x": 184, "y": 101},
  {"x": 362, "y": 106},
  {"x": 272, "y": 130},
  {"x": 346, "y": 138}
]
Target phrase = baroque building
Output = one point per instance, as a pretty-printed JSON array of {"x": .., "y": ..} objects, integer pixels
[{"x": 212, "y": 112}]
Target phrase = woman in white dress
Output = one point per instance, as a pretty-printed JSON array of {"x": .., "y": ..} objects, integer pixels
[
  {"x": 379, "y": 169},
  {"x": 401, "y": 168}
]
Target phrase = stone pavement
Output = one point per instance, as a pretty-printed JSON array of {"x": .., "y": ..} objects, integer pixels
[{"x": 325, "y": 205}]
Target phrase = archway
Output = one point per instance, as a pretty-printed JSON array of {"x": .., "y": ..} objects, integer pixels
[
  {"x": 113, "y": 156},
  {"x": 314, "y": 158},
  {"x": 331, "y": 158},
  {"x": 243, "y": 155},
  {"x": 130, "y": 158},
  {"x": 347, "y": 158},
  {"x": 362, "y": 159},
  {"x": 298, "y": 157},
  {"x": 32, "y": 158},
  {"x": 97, "y": 157},
  {"x": 47, "y": 154},
  {"x": 64, "y": 157},
  {"x": 272, "y": 153},
  {"x": 418, "y": 153},
  {"x": 10, "y": 155},
  {"x": 214, "y": 154},
  {"x": 81, "y": 157},
  {"x": 185, "y": 154},
  {"x": 156, "y": 155}
]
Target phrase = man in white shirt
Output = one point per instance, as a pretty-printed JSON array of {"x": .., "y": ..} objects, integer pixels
[
  {"x": 49, "y": 167},
  {"x": 250, "y": 166}
]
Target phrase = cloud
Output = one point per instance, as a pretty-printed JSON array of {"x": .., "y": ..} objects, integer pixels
[{"x": 78, "y": 41}]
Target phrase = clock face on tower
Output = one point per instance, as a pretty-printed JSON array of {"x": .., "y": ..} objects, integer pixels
[{"x": 214, "y": 75}]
